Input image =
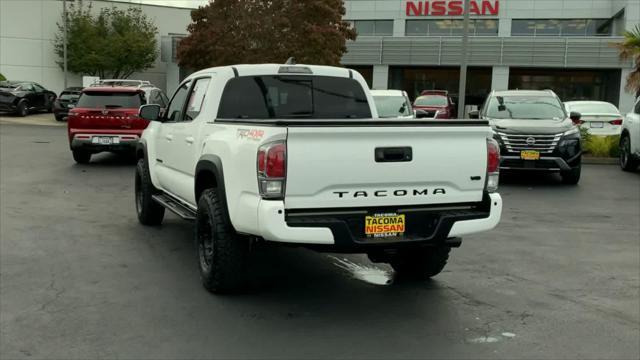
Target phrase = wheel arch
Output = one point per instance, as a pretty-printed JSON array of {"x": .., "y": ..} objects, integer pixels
[{"x": 209, "y": 174}]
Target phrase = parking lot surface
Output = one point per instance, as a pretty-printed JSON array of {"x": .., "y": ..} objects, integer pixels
[{"x": 80, "y": 278}]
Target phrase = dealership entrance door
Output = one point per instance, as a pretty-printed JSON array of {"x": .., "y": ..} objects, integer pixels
[
  {"x": 570, "y": 84},
  {"x": 415, "y": 79}
]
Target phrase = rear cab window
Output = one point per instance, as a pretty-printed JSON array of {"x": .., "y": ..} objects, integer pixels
[
  {"x": 110, "y": 100},
  {"x": 293, "y": 97}
]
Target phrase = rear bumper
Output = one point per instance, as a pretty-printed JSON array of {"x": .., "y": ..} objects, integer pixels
[
  {"x": 125, "y": 142},
  {"x": 338, "y": 231}
]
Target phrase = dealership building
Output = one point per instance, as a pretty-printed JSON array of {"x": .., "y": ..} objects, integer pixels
[{"x": 563, "y": 45}]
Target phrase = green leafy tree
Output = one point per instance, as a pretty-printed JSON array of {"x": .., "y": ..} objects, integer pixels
[
  {"x": 629, "y": 49},
  {"x": 228, "y": 32},
  {"x": 2, "y": 78},
  {"x": 113, "y": 43}
]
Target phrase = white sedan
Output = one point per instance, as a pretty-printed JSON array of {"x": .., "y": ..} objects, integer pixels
[{"x": 600, "y": 117}]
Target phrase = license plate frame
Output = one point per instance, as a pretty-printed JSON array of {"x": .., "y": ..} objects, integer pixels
[
  {"x": 530, "y": 155},
  {"x": 384, "y": 225},
  {"x": 105, "y": 140}
]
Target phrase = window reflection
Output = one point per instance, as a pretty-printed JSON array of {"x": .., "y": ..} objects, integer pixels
[
  {"x": 561, "y": 27},
  {"x": 454, "y": 27}
]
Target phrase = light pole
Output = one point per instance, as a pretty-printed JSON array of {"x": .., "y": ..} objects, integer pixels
[
  {"x": 462, "y": 90},
  {"x": 64, "y": 41}
]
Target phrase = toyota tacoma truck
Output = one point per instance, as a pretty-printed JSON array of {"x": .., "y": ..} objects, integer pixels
[{"x": 296, "y": 154}]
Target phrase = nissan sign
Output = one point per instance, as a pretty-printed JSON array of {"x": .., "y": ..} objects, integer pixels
[{"x": 451, "y": 8}]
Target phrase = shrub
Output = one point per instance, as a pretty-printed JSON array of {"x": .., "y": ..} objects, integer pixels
[{"x": 603, "y": 146}]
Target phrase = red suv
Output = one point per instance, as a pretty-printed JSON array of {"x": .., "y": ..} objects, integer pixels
[
  {"x": 105, "y": 118},
  {"x": 436, "y": 103}
]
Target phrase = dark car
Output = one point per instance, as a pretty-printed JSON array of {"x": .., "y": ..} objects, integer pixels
[
  {"x": 67, "y": 100},
  {"x": 22, "y": 97},
  {"x": 535, "y": 132},
  {"x": 436, "y": 103}
]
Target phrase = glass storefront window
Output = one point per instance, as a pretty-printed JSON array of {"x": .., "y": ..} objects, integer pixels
[
  {"x": 373, "y": 27},
  {"x": 477, "y": 27},
  {"x": 561, "y": 27}
]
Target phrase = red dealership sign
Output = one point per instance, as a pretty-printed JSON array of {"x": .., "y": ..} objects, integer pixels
[{"x": 451, "y": 8}]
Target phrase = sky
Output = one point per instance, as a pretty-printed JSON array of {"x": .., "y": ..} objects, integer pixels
[{"x": 181, "y": 3}]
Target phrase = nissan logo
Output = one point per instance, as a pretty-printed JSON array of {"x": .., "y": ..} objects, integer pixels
[{"x": 531, "y": 141}]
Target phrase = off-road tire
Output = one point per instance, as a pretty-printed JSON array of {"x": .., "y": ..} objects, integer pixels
[
  {"x": 81, "y": 156},
  {"x": 23, "y": 109},
  {"x": 627, "y": 161},
  {"x": 571, "y": 177},
  {"x": 223, "y": 255},
  {"x": 421, "y": 264},
  {"x": 149, "y": 211}
]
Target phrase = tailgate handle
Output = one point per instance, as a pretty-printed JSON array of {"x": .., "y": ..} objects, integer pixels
[{"x": 394, "y": 154}]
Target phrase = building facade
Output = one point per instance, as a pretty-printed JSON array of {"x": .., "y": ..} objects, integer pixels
[
  {"x": 563, "y": 45},
  {"x": 28, "y": 29}
]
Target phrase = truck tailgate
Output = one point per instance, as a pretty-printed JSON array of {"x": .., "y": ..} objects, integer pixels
[{"x": 336, "y": 167}]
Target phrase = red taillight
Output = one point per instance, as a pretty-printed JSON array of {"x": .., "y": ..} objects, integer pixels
[
  {"x": 276, "y": 157},
  {"x": 493, "y": 156},
  {"x": 272, "y": 169},
  {"x": 616, "y": 122}
]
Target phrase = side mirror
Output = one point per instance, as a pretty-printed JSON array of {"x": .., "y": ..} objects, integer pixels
[
  {"x": 575, "y": 117},
  {"x": 474, "y": 114},
  {"x": 150, "y": 112},
  {"x": 421, "y": 114}
]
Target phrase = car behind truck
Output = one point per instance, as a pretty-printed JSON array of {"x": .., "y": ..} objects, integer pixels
[{"x": 295, "y": 154}]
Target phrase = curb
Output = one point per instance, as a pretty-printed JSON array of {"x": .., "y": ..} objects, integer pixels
[{"x": 600, "y": 161}]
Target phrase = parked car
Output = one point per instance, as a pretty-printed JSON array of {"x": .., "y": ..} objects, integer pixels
[
  {"x": 534, "y": 132},
  {"x": 630, "y": 139},
  {"x": 305, "y": 163},
  {"x": 392, "y": 104},
  {"x": 67, "y": 100},
  {"x": 23, "y": 97},
  {"x": 599, "y": 117},
  {"x": 122, "y": 82},
  {"x": 105, "y": 119},
  {"x": 436, "y": 103}
]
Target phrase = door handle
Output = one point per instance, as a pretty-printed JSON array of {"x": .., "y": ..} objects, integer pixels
[
  {"x": 169, "y": 137},
  {"x": 394, "y": 154},
  {"x": 189, "y": 139}
]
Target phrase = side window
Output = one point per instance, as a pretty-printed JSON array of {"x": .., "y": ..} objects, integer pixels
[
  {"x": 196, "y": 99},
  {"x": 637, "y": 108},
  {"x": 174, "y": 112},
  {"x": 27, "y": 87},
  {"x": 158, "y": 99},
  {"x": 38, "y": 88}
]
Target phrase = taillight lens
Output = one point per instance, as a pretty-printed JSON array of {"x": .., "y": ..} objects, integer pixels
[
  {"x": 272, "y": 170},
  {"x": 493, "y": 165},
  {"x": 616, "y": 122}
]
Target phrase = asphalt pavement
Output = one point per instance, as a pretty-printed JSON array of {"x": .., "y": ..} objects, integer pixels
[{"x": 80, "y": 278}]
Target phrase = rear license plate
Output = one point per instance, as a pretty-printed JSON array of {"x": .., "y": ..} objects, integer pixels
[
  {"x": 596, "y": 124},
  {"x": 384, "y": 225},
  {"x": 530, "y": 155},
  {"x": 105, "y": 140}
]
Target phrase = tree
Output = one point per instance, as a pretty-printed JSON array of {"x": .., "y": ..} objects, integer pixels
[
  {"x": 2, "y": 78},
  {"x": 228, "y": 32},
  {"x": 629, "y": 49},
  {"x": 115, "y": 43}
]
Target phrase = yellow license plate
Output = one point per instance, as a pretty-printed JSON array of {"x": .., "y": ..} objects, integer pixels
[
  {"x": 383, "y": 225},
  {"x": 530, "y": 155}
]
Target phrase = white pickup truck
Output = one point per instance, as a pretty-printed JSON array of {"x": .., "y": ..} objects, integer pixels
[{"x": 296, "y": 154}]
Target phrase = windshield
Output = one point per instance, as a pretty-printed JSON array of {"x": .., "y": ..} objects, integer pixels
[
  {"x": 69, "y": 96},
  {"x": 110, "y": 100},
  {"x": 431, "y": 100},
  {"x": 525, "y": 107},
  {"x": 392, "y": 106},
  {"x": 593, "y": 108}
]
